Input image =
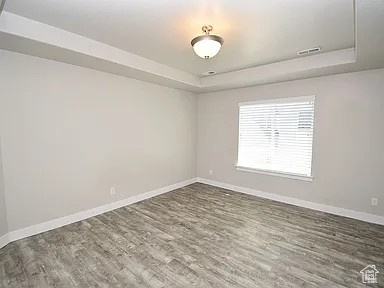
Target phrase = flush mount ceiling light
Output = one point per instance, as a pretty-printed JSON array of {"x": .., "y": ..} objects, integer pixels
[{"x": 207, "y": 46}]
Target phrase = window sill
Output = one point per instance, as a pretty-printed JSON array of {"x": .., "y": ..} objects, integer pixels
[{"x": 276, "y": 174}]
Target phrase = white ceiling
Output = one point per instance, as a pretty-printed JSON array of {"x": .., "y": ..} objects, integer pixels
[
  {"x": 149, "y": 40},
  {"x": 255, "y": 32}
]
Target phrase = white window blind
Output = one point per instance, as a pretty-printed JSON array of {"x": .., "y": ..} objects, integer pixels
[{"x": 277, "y": 135}]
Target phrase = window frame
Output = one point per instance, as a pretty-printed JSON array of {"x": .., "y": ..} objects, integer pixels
[{"x": 290, "y": 175}]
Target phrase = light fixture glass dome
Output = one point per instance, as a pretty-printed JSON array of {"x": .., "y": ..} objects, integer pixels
[{"x": 207, "y": 46}]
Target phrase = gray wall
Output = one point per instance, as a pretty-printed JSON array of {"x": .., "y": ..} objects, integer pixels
[
  {"x": 69, "y": 134},
  {"x": 3, "y": 211},
  {"x": 348, "y": 157}
]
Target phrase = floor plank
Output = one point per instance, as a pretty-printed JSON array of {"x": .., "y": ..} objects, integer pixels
[{"x": 199, "y": 236}]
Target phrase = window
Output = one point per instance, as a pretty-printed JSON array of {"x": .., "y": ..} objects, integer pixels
[{"x": 275, "y": 137}]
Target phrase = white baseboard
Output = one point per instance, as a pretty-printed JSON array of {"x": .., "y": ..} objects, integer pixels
[
  {"x": 371, "y": 218},
  {"x": 4, "y": 240},
  {"x": 56, "y": 223}
]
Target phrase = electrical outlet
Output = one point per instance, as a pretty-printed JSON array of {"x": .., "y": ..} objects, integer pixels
[
  {"x": 374, "y": 201},
  {"x": 113, "y": 191},
  {"x": 210, "y": 172}
]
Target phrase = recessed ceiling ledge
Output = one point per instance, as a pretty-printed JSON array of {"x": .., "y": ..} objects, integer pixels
[
  {"x": 26, "y": 28},
  {"x": 260, "y": 73}
]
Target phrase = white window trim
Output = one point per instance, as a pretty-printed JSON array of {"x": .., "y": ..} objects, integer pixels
[
  {"x": 272, "y": 172},
  {"x": 280, "y": 100},
  {"x": 275, "y": 173}
]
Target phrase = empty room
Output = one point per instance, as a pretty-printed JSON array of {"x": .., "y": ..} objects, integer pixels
[{"x": 190, "y": 143}]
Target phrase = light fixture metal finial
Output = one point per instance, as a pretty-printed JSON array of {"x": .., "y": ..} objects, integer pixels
[{"x": 207, "y": 29}]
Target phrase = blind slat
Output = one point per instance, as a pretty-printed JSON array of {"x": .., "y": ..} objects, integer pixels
[{"x": 277, "y": 136}]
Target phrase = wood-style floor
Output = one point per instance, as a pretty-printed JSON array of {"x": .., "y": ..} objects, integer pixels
[{"x": 199, "y": 236}]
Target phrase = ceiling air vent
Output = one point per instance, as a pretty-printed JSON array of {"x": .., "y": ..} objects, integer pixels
[
  {"x": 209, "y": 73},
  {"x": 308, "y": 51}
]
